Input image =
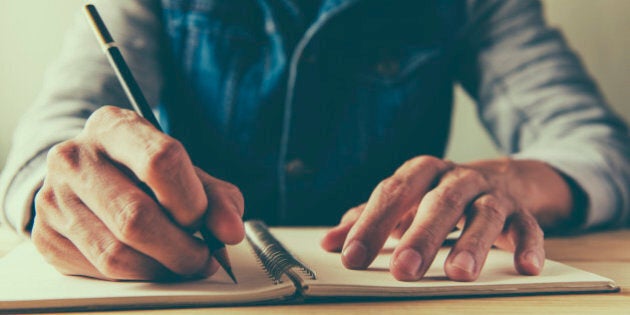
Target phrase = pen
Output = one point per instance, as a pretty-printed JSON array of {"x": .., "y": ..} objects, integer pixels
[{"x": 139, "y": 103}]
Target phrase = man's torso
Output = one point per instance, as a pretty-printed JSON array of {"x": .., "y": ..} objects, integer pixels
[{"x": 306, "y": 105}]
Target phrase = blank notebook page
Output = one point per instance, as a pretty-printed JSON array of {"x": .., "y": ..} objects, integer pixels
[
  {"x": 498, "y": 274},
  {"x": 27, "y": 277}
]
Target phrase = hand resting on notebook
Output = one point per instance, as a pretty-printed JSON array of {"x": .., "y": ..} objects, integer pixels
[
  {"x": 92, "y": 219},
  {"x": 500, "y": 202}
]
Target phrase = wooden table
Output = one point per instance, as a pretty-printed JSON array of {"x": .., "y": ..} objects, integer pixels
[{"x": 604, "y": 253}]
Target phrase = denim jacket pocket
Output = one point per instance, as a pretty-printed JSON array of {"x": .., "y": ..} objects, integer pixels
[
  {"x": 393, "y": 92},
  {"x": 199, "y": 37},
  {"x": 218, "y": 56},
  {"x": 394, "y": 69}
]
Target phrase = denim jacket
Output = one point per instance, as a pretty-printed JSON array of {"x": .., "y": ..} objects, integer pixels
[
  {"x": 306, "y": 115},
  {"x": 307, "y": 120}
]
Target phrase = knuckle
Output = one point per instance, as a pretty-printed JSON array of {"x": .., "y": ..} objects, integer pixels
[
  {"x": 530, "y": 226},
  {"x": 352, "y": 214},
  {"x": 103, "y": 116},
  {"x": 72, "y": 217},
  {"x": 237, "y": 196},
  {"x": 131, "y": 219},
  {"x": 460, "y": 173},
  {"x": 529, "y": 223},
  {"x": 110, "y": 260},
  {"x": 423, "y": 162},
  {"x": 538, "y": 231},
  {"x": 65, "y": 156},
  {"x": 162, "y": 156},
  {"x": 473, "y": 175},
  {"x": 428, "y": 236},
  {"x": 487, "y": 202},
  {"x": 491, "y": 210},
  {"x": 393, "y": 188},
  {"x": 474, "y": 243},
  {"x": 447, "y": 198},
  {"x": 45, "y": 199},
  {"x": 354, "y": 211},
  {"x": 233, "y": 190}
]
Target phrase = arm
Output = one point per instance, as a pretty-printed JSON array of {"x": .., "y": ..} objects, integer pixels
[
  {"x": 541, "y": 107},
  {"x": 538, "y": 102},
  {"x": 92, "y": 216},
  {"x": 77, "y": 84}
]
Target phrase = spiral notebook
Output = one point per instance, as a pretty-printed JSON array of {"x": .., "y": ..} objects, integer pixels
[{"x": 273, "y": 265}]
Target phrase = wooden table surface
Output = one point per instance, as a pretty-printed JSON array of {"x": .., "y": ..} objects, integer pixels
[{"x": 604, "y": 253}]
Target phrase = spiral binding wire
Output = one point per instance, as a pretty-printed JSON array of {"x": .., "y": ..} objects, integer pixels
[
  {"x": 274, "y": 258},
  {"x": 264, "y": 263}
]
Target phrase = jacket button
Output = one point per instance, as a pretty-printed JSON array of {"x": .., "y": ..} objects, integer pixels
[
  {"x": 388, "y": 68},
  {"x": 296, "y": 168}
]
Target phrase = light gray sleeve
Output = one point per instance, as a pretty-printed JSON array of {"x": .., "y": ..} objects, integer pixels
[
  {"x": 78, "y": 83},
  {"x": 538, "y": 102}
]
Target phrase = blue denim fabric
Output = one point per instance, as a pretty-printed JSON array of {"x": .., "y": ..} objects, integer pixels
[{"x": 307, "y": 115}]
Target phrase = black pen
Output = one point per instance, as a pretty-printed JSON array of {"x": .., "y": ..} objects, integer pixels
[{"x": 139, "y": 103}]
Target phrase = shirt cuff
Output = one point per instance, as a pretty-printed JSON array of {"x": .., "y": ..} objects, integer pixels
[
  {"x": 20, "y": 194},
  {"x": 585, "y": 171}
]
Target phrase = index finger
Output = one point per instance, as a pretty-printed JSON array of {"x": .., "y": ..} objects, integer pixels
[
  {"x": 153, "y": 157},
  {"x": 392, "y": 198}
]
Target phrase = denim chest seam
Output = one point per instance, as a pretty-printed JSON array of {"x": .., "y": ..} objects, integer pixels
[{"x": 310, "y": 33}]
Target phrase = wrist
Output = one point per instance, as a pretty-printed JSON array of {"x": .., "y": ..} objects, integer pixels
[{"x": 548, "y": 194}]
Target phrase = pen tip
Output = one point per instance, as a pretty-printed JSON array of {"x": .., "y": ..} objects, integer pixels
[
  {"x": 221, "y": 256},
  {"x": 231, "y": 274}
]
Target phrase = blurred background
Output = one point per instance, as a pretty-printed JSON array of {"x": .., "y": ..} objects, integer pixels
[{"x": 31, "y": 33}]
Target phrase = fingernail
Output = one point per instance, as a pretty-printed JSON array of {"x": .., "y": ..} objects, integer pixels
[
  {"x": 464, "y": 261},
  {"x": 354, "y": 255},
  {"x": 409, "y": 261},
  {"x": 534, "y": 259}
]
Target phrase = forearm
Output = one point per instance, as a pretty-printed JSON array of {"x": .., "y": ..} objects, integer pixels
[
  {"x": 539, "y": 103},
  {"x": 77, "y": 84}
]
